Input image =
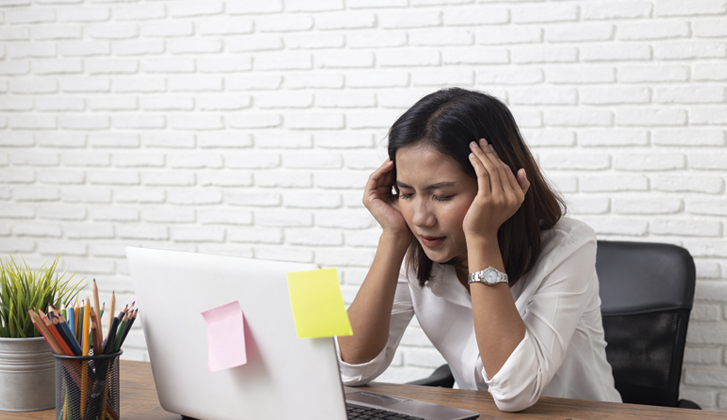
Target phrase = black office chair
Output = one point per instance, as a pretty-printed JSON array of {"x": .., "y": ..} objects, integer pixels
[{"x": 647, "y": 290}]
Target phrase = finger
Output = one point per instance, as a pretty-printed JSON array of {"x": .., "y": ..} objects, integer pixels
[
  {"x": 505, "y": 170},
  {"x": 380, "y": 172},
  {"x": 522, "y": 180},
  {"x": 483, "y": 178},
  {"x": 482, "y": 153}
]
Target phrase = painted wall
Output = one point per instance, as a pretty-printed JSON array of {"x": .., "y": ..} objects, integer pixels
[{"x": 249, "y": 128}]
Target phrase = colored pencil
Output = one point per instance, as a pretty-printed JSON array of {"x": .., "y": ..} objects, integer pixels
[
  {"x": 97, "y": 309},
  {"x": 44, "y": 332},
  {"x": 54, "y": 332},
  {"x": 128, "y": 328},
  {"x": 72, "y": 321},
  {"x": 86, "y": 326},
  {"x": 63, "y": 332},
  {"x": 112, "y": 308}
]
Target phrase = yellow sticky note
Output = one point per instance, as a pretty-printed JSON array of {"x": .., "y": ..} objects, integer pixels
[{"x": 317, "y": 302}]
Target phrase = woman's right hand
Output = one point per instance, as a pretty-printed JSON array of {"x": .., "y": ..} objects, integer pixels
[{"x": 382, "y": 203}]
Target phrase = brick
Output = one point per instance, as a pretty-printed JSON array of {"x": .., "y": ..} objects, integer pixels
[
  {"x": 310, "y": 121},
  {"x": 700, "y": 116},
  {"x": 616, "y": 10},
  {"x": 596, "y": 138},
  {"x": 145, "y": 12},
  {"x": 642, "y": 30},
  {"x": 705, "y": 312},
  {"x": 139, "y": 121},
  {"x": 113, "y": 31},
  {"x": 283, "y": 179},
  {"x": 686, "y": 227},
  {"x": 651, "y": 205},
  {"x": 196, "y": 9},
  {"x": 344, "y": 140},
  {"x": 347, "y": 59},
  {"x": 23, "y": 122},
  {"x": 145, "y": 232},
  {"x": 312, "y": 161},
  {"x": 139, "y": 195},
  {"x": 345, "y": 100},
  {"x": 87, "y": 85},
  {"x": 59, "y": 104},
  {"x": 175, "y": 29},
  {"x": 168, "y": 215},
  {"x": 510, "y": 76},
  {"x": 282, "y": 101},
  {"x": 194, "y": 161},
  {"x": 283, "y": 140},
  {"x": 37, "y": 230},
  {"x": 167, "y": 103},
  {"x": 581, "y": 75},
  {"x": 196, "y": 122},
  {"x": 405, "y": 58},
  {"x": 224, "y": 103},
  {"x": 17, "y": 212},
  {"x": 545, "y": 54},
  {"x": 254, "y": 121},
  {"x": 112, "y": 103},
  {"x": 314, "y": 41},
  {"x": 224, "y": 140},
  {"x": 254, "y": 44},
  {"x": 315, "y": 6},
  {"x": 706, "y": 377},
  {"x": 168, "y": 65},
  {"x": 255, "y": 160},
  {"x": 96, "y": 66},
  {"x": 256, "y": 235},
  {"x": 615, "y": 52},
  {"x": 708, "y": 161},
  {"x": 543, "y": 96},
  {"x": 691, "y": 137},
  {"x": 709, "y": 28},
  {"x": 284, "y": 23},
  {"x": 442, "y": 37},
  {"x": 346, "y": 180},
  {"x": 283, "y": 218},
  {"x": 345, "y": 20},
  {"x": 225, "y": 216},
  {"x": 17, "y": 104},
  {"x": 707, "y": 248},
  {"x": 283, "y": 254},
  {"x": 252, "y": 198},
  {"x": 35, "y": 194},
  {"x": 32, "y": 15},
  {"x": 579, "y": 32},
  {"x": 588, "y": 205},
  {"x": 48, "y": 67},
  {"x": 660, "y": 73},
  {"x": 63, "y": 140},
  {"x": 226, "y": 249},
  {"x": 376, "y": 119},
  {"x": 245, "y": 7},
  {"x": 614, "y": 95},
  {"x": 386, "y": 39},
  {"x": 549, "y": 137},
  {"x": 195, "y": 84},
  {"x": 314, "y": 237},
  {"x": 364, "y": 4},
  {"x": 177, "y": 178},
  {"x": 345, "y": 257},
  {"x": 651, "y": 117},
  {"x": 35, "y": 158},
  {"x": 86, "y": 195},
  {"x": 225, "y": 179},
  {"x": 573, "y": 161},
  {"x": 56, "y": 247},
  {"x": 620, "y": 226},
  {"x": 145, "y": 47},
  {"x": 61, "y": 213},
  {"x": 509, "y": 35},
  {"x": 551, "y": 13},
  {"x": 709, "y": 71},
  {"x": 88, "y": 231},
  {"x": 14, "y": 68},
  {"x": 84, "y": 14},
  {"x": 82, "y": 122},
  {"x": 195, "y": 46},
  {"x": 681, "y": 50},
  {"x": 114, "y": 214},
  {"x": 409, "y": 20},
  {"x": 86, "y": 158},
  {"x": 389, "y": 98},
  {"x": 168, "y": 140},
  {"x": 310, "y": 200},
  {"x": 527, "y": 118},
  {"x": 457, "y": 77},
  {"x": 695, "y": 7},
  {"x": 578, "y": 117},
  {"x": 33, "y": 87},
  {"x": 53, "y": 32},
  {"x": 613, "y": 183},
  {"x": 475, "y": 16},
  {"x": 253, "y": 82},
  {"x": 61, "y": 177},
  {"x": 378, "y": 79},
  {"x": 689, "y": 95},
  {"x": 648, "y": 162},
  {"x": 365, "y": 238},
  {"x": 710, "y": 185},
  {"x": 228, "y": 27},
  {"x": 113, "y": 178}
]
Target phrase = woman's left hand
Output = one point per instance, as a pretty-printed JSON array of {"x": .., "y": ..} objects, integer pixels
[{"x": 499, "y": 193}]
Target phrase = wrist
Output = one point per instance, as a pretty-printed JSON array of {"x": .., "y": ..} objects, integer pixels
[{"x": 395, "y": 241}]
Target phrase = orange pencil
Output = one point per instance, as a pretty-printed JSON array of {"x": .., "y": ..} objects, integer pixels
[
  {"x": 96, "y": 334},
  {"x": 86, "y": 326},
  {"x": 45, "y": 332},
  {"x": 61, "y": 342}
]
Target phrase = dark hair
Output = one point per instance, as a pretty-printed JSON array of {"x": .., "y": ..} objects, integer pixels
[{"x": 448, "y": 120}]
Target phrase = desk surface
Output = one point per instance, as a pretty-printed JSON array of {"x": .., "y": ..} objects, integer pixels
[{"x": 139, "y": 402}]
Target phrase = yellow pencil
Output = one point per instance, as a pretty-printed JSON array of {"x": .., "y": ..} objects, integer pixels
[{"x": 86, "y": 326}]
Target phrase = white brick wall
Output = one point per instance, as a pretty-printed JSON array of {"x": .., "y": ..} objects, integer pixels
[{"x": 248, "y": 128}]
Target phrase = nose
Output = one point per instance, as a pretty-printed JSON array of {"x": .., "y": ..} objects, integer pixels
[{"x": 423, "y": 215}]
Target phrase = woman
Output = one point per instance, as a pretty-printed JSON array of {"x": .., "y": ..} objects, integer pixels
[{"x": 474, "y": 244}]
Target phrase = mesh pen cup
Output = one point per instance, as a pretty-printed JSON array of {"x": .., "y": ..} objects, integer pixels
[{"x": 87, "y": 387}]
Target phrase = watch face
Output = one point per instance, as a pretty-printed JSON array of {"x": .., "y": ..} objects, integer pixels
[{"x": 490, "y": 276}]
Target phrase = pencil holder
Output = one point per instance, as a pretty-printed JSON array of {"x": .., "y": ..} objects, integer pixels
[{"x": 87, "y": 387}]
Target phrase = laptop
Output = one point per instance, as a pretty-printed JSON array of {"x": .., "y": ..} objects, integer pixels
[{"x": 284, "y": 378}]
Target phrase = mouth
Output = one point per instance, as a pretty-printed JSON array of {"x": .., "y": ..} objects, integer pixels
[{"x": 431, "y": 241}]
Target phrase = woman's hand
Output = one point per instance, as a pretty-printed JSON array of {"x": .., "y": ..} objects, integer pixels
[
  {"x": 382, "y": 203},
  {"x": 499, "y": 193}
]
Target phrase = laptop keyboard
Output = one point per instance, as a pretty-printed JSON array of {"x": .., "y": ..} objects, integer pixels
[{"x": 356, "y": 412}]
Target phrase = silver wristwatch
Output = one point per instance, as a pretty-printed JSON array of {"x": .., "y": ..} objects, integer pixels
[{"x": 490, "y": 276}]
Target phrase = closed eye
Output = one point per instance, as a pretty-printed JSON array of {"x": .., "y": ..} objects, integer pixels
[{"x": 438, "y": 198}]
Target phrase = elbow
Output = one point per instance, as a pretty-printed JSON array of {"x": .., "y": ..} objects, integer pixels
[{"x": 515, "y": 405}]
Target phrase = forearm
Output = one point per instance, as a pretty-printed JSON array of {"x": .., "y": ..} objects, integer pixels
[
  {"x": 498, "y": 326},
  {"x": 370, "y": 311}
]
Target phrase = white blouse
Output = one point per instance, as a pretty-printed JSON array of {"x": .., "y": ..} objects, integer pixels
[{"x": 563, "y": 351}]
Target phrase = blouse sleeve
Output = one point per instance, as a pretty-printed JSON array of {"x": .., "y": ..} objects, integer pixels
[
  {"x": 551, "y": 315},
  {"x": 401, "y": 313}
]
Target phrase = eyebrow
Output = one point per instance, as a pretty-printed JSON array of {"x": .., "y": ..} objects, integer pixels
[{"x": 436, "y": 186}]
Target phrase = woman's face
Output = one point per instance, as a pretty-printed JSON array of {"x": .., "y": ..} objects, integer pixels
[{"x": 434, "y": 196}]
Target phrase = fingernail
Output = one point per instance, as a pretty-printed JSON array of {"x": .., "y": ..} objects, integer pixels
[
  {"x": 492, "y": 148},
  {"x": 483, "y": 141},
  {"x": 473, "y": 144}
]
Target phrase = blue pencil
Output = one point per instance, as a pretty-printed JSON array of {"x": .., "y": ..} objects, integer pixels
[
  {"x": 64, "y": 331},
  {"x": 71, "y": 323}
]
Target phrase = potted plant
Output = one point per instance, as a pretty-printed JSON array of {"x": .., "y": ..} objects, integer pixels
[{"x": 27, "y": 368}]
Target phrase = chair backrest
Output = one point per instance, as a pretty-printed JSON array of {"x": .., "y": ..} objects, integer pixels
[{"x": 647, "y": 291}]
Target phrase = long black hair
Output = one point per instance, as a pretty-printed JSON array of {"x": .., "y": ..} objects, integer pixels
[{"x": 448, "y": 120}]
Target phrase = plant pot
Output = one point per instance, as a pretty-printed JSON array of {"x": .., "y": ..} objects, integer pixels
[{"x": 27, "y": 374}]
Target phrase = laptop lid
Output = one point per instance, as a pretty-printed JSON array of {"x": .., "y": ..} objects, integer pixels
[{"x": 284, "y": 378}]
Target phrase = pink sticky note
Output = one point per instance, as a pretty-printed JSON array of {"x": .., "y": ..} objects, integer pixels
[{"x": 225, "y": 337}]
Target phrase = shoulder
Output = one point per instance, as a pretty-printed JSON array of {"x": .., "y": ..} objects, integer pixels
[{"x": 564, "y": 239}]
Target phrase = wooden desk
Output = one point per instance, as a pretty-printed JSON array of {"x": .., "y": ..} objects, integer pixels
[{"x": 139, "y": 402}]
